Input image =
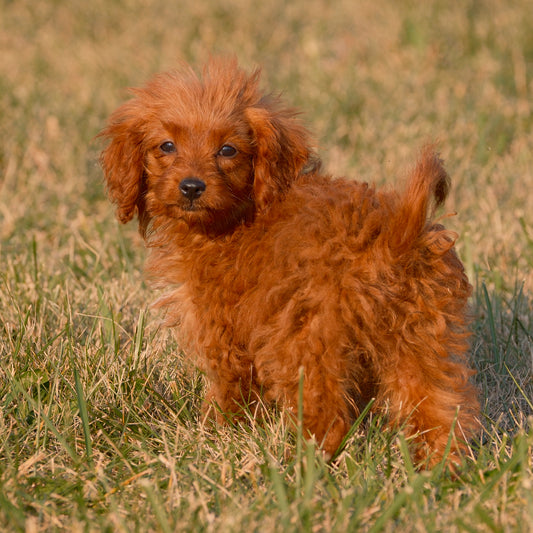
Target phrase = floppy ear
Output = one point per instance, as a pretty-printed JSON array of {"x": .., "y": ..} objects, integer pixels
[
  {"x": 123, "y": 163},
  {"x": 281, "y": 151}
]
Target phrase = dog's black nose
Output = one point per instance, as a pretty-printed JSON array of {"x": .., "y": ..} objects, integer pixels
[{"x": 192, "y": 188}]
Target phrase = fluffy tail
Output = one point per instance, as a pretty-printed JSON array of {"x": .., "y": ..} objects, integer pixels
[{"x": 427, "y": 188}]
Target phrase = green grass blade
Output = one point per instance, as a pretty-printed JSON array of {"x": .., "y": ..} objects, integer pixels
[
  {"x": 280, "y": 490},
  {"x": 49, "y": 424},
  {"x": 402, "y": 496},
  {"x": 522, "y": 392},
  {"x": 492, "y": 327},
  {"x": 157, "y": 506},
  {"x": 82, "y": 406}
]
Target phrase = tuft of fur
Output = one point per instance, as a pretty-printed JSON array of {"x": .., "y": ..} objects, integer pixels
[{"x": 273, "y": 266}]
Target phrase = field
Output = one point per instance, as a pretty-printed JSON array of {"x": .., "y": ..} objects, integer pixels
[{"x": 99, "y": 411}]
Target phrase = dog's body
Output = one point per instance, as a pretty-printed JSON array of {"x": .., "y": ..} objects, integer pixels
[{"x": 269, "y": 266}]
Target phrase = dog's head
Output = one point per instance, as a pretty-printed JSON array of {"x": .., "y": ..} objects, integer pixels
[{"x": 210, "y": 151}]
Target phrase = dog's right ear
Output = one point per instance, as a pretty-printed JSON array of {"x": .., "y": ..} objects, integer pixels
[
  {"x": 282, "y": 149},
  {"x": 123, "y": 162}
]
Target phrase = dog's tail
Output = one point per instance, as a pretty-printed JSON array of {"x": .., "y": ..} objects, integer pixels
[{"x": 427, "y": 188}]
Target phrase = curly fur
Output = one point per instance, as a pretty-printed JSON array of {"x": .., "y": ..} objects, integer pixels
[{"x": 275, "y": 266}]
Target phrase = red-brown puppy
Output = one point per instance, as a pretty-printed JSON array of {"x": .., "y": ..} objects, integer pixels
[{"x": 270, "y": 266}]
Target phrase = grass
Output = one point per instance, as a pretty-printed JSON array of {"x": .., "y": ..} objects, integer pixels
[{"x": 99, "y": 423}]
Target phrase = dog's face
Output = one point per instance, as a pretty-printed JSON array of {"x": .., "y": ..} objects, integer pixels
[
  {"x": 199, "y": 167},
  {"x": 210, "y": 152}
]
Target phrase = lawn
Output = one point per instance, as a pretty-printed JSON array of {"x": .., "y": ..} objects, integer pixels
[{"x": 99, "y": 410}]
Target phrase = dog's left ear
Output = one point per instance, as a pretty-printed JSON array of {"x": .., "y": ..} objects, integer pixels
[{"x": 282, "y": 150}]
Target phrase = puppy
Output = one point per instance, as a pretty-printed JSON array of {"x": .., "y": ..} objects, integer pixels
[{"x": 270, "y": 268}]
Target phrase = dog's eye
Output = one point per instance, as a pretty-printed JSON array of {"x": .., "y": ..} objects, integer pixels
[
  {"x": 228, "y": 151},
  {"x": 168, "y": 147}
]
